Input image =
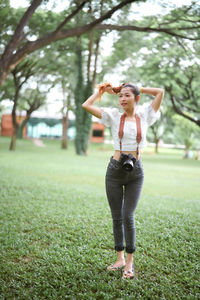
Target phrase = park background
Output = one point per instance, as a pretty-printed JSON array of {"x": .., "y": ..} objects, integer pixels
[{"x": 56, "y": 231}]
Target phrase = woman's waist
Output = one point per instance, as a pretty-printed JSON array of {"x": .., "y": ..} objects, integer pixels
[
  {"x": 117, "y": 154},
  {"x": 129, "y": 148},
  {"x": 127, "y": 164}
]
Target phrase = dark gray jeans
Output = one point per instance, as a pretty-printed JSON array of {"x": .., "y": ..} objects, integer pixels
[{"x": 123, "y": 191}]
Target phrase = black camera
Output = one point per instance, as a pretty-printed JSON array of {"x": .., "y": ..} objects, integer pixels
[{"x": 127, "y": 161}]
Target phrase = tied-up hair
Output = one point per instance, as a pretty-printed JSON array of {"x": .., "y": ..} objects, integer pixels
[{"x": 102, "y": 87}]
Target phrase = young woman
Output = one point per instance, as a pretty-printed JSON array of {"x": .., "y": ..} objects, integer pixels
[{"x": 124, "y": 176}]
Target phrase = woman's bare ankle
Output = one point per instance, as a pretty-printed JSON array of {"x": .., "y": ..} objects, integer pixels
[
  {"x": 120, "y": 256},
  {"x": 119, "y": 263},
  {"x": 129, "y": 262}
]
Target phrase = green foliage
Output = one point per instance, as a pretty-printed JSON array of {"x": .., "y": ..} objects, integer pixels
[
  {"x": 7, "y": 20},
  {"x": 56, "y": 231},
  {"x": 182, "y": 21},
  {"x": 7, "y": 92},
  {"x": 125, "y": 54},
  {"x": 186, "y": 132}
]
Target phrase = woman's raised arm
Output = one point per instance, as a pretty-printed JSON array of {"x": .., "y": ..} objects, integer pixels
[
  {"x": 89, "y": 106},
  {"x": 157, "y": 92}
]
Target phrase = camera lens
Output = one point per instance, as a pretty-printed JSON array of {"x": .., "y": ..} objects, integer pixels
[{"x": 128, "y": 165}]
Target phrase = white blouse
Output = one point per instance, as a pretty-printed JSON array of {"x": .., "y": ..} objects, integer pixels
[{"x": 111, "y": 118}]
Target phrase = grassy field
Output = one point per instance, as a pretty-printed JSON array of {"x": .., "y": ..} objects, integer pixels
[{"x": 56, "y": 231}]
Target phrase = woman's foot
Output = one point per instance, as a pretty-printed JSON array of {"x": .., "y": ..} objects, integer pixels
[
  {"x": 128, "y": 272},
  {"x": 116, "y": 266}
]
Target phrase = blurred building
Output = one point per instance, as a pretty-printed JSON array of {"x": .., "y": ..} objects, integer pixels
[
  {"x": 7, "y": 127},
  {"x": 38, "y": 127}
]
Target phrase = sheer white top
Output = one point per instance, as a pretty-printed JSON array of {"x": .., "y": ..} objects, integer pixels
[{"x": 111, "y": 118}]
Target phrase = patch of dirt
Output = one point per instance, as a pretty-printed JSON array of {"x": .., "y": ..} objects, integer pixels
[{"x": 25, "y": 259}]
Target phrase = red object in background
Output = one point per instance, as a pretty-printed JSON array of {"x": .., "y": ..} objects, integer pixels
[
  {"x": 97, "y": 135},
  {"x": 7, "y": 127}
]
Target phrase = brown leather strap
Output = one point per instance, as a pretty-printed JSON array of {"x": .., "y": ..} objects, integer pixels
[
  {"x": 121, "y": 126},
  {"x": 139, "y": 132},
  {"x": 121, "y": 130}
]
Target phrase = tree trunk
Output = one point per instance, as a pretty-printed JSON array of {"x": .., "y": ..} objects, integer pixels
[
  {"x": 22, "y": 125},
  {"x": 83, "y": 126},
  {"x": 156, "y": 145},
  {"x": 13, "y": 139},
  {"x": 186, "y": 153},
  {"x": 20, "y": 132},
  {"x": 83, "y": 119},
  {"x": 64, "y": 131},
  {"x": 83, "y": 130},
  {"x": 156, "y": 138},
  {"x": 65, "y": 121}
]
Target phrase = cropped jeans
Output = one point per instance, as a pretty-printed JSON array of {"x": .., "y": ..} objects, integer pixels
[{"x": 123, "y": 191}]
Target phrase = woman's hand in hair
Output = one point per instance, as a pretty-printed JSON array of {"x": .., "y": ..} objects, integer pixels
[
  {"x": 105, "y": 87},
  {"x": 109, "y": 90}
]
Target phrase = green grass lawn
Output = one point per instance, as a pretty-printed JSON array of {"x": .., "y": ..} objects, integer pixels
[{"x": 56, "y": 231}]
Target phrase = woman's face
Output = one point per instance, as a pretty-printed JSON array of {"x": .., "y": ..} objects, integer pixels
[{"x": 126, "y": 98}]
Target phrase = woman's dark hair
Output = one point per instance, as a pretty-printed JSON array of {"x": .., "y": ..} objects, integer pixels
[{"x": 134, "y": 89}]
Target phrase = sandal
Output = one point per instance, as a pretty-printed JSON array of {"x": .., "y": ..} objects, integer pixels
[
  {"x": 128, "y": 274},
  {"x": 112, "y": 268}
]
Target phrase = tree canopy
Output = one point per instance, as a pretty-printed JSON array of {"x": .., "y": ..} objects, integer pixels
[{"x": 92, "y": 15}]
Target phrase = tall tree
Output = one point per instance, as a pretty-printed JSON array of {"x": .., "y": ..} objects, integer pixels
[
  {"x": 65, "y": 114},
  {"x": 19, "y": 46},
  {"x": 86, "y": 82},
  {"x": 82, "y": 91},
  {"x": 32, "y": 100},
  {"x": 24, "y": 97}
]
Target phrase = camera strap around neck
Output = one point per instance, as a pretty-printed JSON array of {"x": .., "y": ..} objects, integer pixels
[{"x": 139, "y": 132}]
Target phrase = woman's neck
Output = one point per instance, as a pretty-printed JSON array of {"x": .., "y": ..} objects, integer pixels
[{"x": 130, "y": 113}]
